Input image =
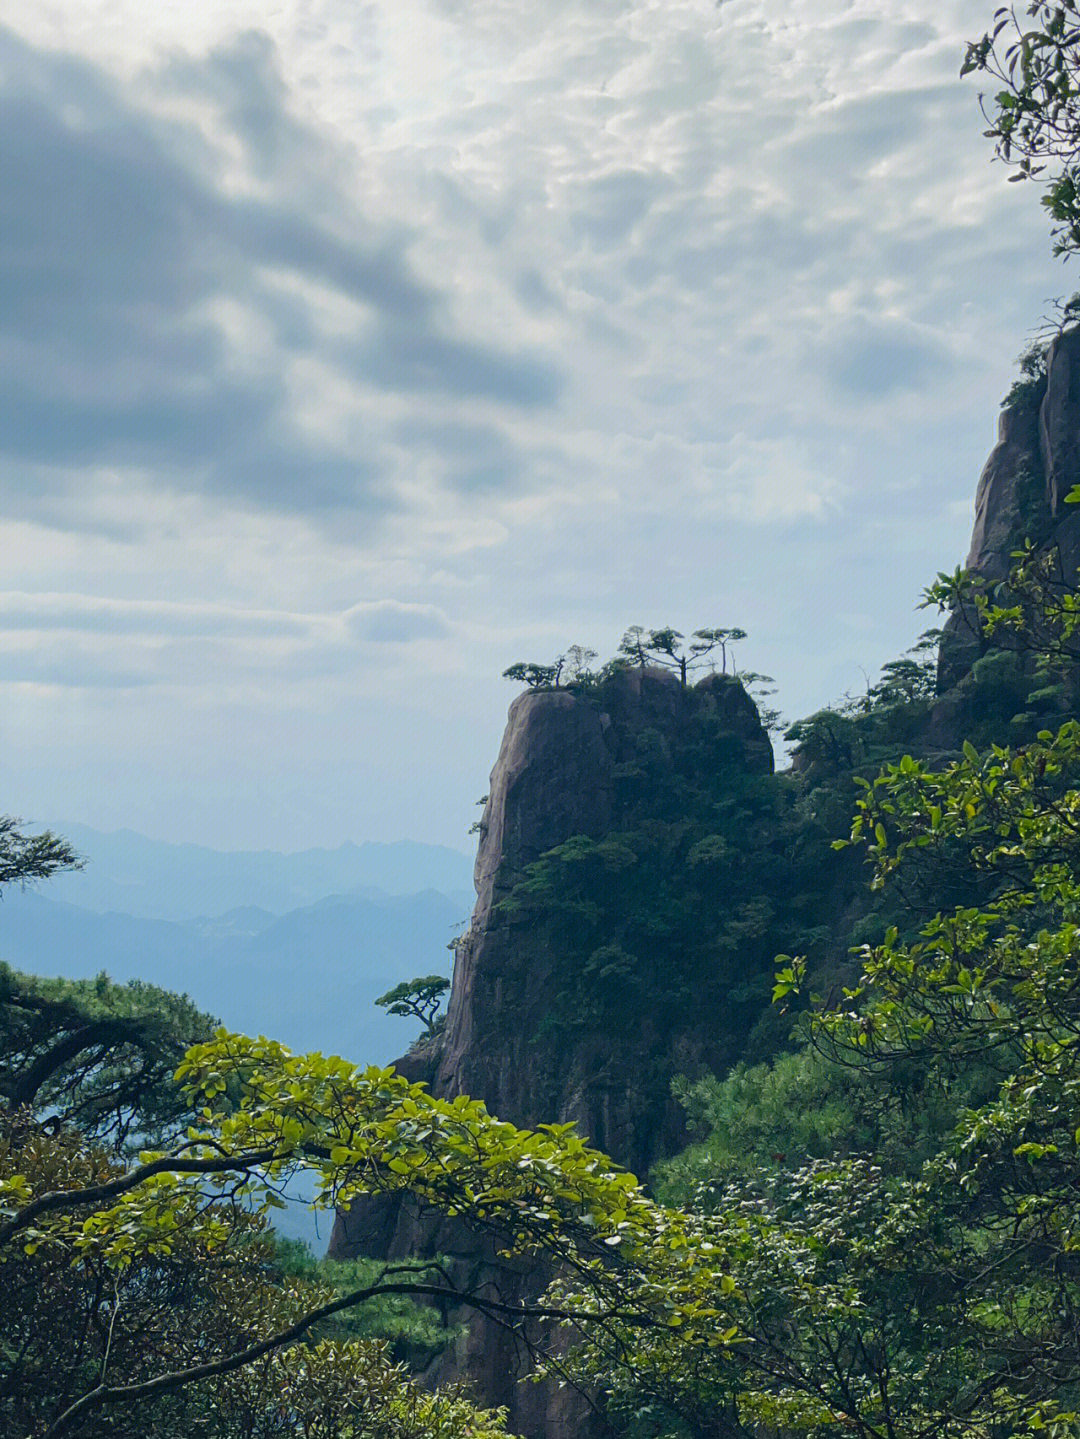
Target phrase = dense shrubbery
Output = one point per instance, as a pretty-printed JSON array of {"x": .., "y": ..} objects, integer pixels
[{"x": 875, "y": 1233}]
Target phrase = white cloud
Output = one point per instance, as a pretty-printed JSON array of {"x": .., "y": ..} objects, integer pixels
[
  {"x": 160, "y": 641},
  {"x": 521, "y": 320}
]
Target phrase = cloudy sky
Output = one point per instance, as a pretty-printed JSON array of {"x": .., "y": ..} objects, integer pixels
[{"x": 351, "y": 351}]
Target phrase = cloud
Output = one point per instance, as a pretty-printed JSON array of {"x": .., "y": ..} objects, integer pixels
[
  {"x": 392, "y": 622},
  {"x": 556, "y": 241},
  {"x": 25, "y": 610},
  {"x": 341, "y": 345},
  {"x": 871, "y": 360},
  {"x": 60, "y": 666},
  {"x": 400, "y": 358},
  {"x": 613, "y": 204},
  {"x": 87, "y": 641},
  {"x": 479, "y": 458},
  {"x": 143, "y": 323}
]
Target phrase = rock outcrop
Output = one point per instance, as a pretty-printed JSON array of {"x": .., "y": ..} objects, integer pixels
[
  {"x": 1022, "y": 490},
  {"x": 556, "y": 777}
]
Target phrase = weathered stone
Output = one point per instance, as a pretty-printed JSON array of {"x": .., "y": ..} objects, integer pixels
[
  {"x": 1011, "y": 498},
  {"x": 1021, "y": 494},
  {"x": 554, "y": 779},
  {"x": 1059, "y": 421}
]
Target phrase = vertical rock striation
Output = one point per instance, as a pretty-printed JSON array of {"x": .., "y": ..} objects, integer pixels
[
  {"x": 561, "y": 774},
  {"x": 554, "y": 779}
]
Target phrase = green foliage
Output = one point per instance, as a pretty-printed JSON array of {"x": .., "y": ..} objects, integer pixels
[
  {"x": 479, "y": 827},
  {"x": 1034, "y": 116},
  {"x": 415, "y": 1333},
  {"x": 997, "y": 678},
  {"x": 570, "y": 670},
  {"x": 1028, "y": 631},
  {"x": 335, "y": 1390},
  {"x": 95, "y": 1054},
  {"x": 536, "y": 676},
  {"x": 418, "y": 998},
  {"x": 149, "y": 1284},
  {"x": 663, "y": 648},
  {"x": 1034, "y": 614},
  {"x": 26, "y": 858},
  {"x": 674, "y": 911},
  {"x": 862, "y": 730},
  {"x": 890, "y": 1216},
  {"x": 807, "y": 1106},
  {"x": 96, "y": 1240},
  {"x": 197, "y": 1288},
  {"x": 90, "y": 1053},
  {"x": 1048, "y": 699},
  {"x": 1031, "y": 386},
  {"x": 363, "y": 1131},
  {"x": 829, "y": 739}
]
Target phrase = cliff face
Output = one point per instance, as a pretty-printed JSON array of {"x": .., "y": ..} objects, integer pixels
[
  {"x": 557, "y": 777},
  {"x": 561, "y": 773},
  {"x": 1022, "y": 489}
]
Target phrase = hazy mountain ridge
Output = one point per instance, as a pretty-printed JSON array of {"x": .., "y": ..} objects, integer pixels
[
  {"x": 309, "y": 977},
  {"x": 131, "y": 874}
]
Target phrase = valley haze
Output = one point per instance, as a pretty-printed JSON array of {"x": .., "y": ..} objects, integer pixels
[{"x": 297, "y": 946}]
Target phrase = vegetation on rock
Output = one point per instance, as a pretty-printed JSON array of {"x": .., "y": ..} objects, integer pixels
[
  {"x": 876, "y": 1231},
  {"x": 891, "y": 1212},
  {"x": 147, "y": 1282},
  {"x": 417, "y": 999},
  {"x": 638, "y": 648}
]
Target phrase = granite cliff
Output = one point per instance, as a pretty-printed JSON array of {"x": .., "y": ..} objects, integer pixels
[
  {"x": 557, "y": 777},
  {"x": 567, "y": 771},
  {"x": 1022, "y": 489}
]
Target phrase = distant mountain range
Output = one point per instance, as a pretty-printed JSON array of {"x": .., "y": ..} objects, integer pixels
[
  {"x": 151, "y": 879},
  {"x": 308, "y": 978},
  {"x": 293, "y": 946}
]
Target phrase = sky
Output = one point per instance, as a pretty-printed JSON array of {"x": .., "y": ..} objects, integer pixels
[{"x": 350, "y": 352}]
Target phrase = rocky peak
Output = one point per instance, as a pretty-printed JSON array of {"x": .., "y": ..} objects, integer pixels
[
  {"x": 561, "y": 774},
  {"x": 1059, "y": 428},
  {"x": 556, "y": 777},
  {"x": 1011, "y": 497},
  {"x": 1022, "y": 489}
]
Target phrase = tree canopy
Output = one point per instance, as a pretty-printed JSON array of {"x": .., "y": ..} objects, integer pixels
[
  {"x": 94, "y": 1054},
  {"x": 418, "y": 998},
  {"x": 77, "y": 1224},
  {"x": 665, "y": 648},
  {"x": 140, "y": 1152},
  {"x": 1033, "y": 56},
  {"x": 25, "y": 858}
]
